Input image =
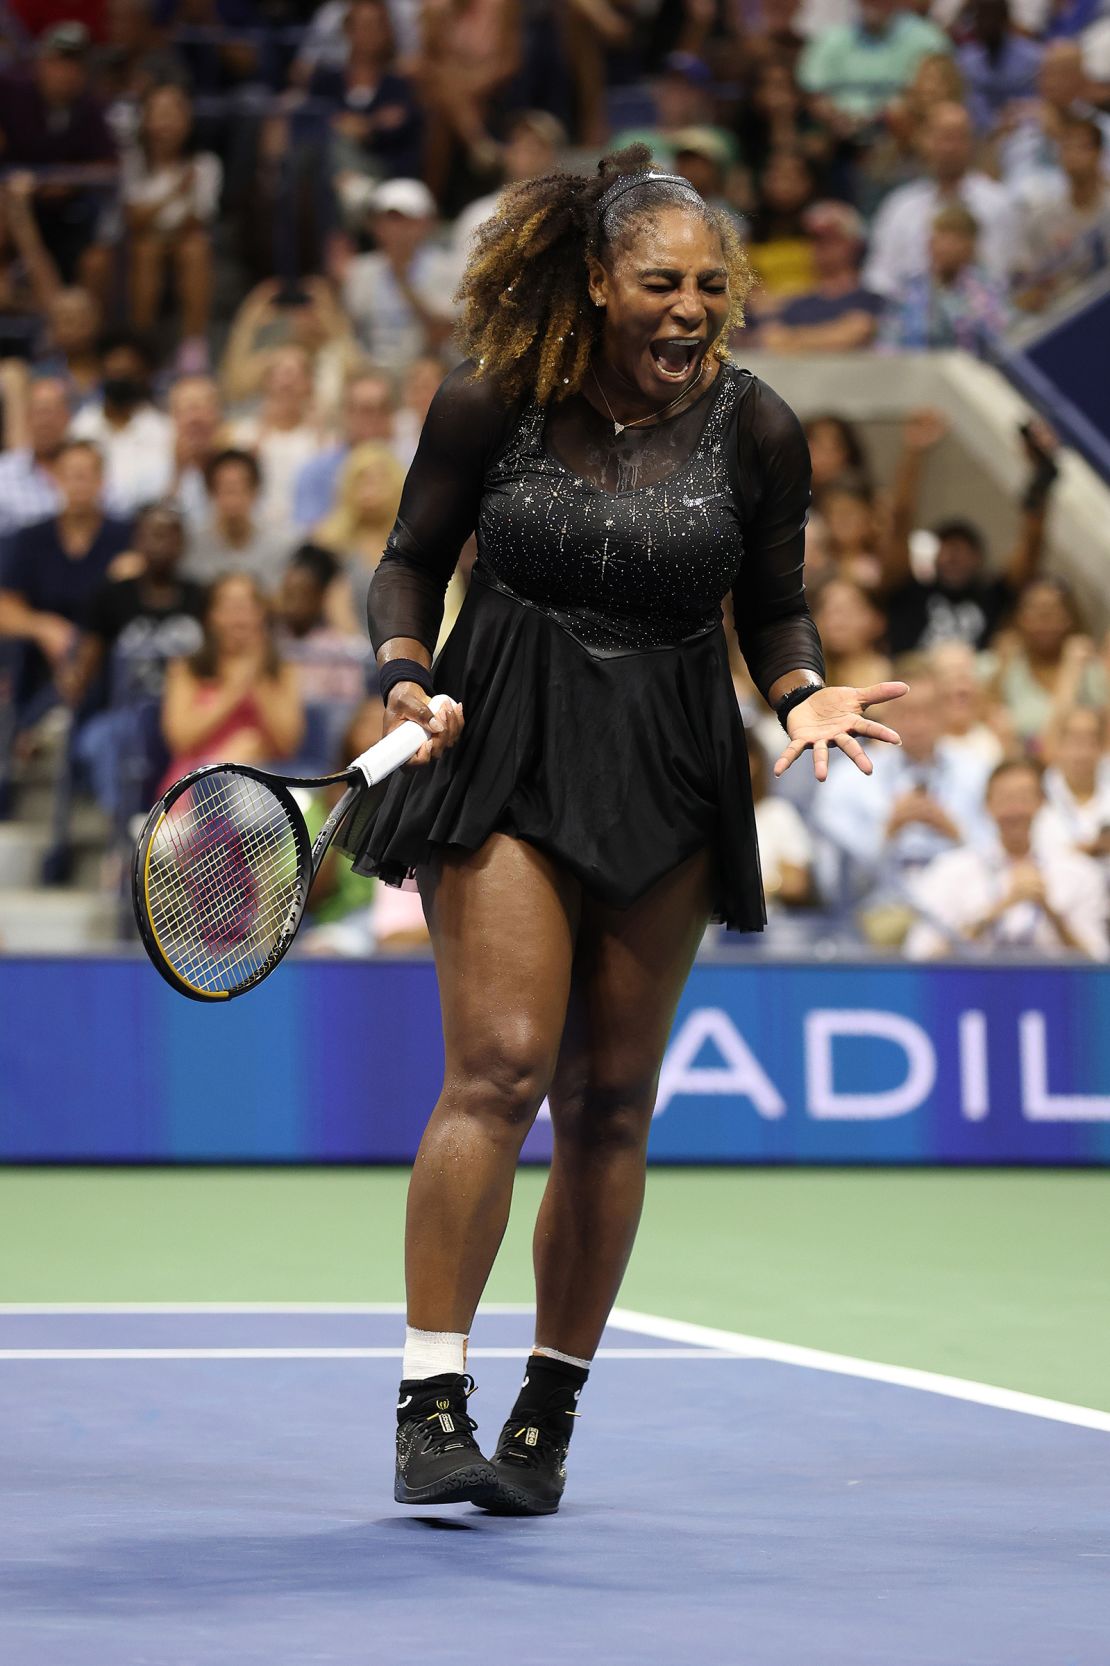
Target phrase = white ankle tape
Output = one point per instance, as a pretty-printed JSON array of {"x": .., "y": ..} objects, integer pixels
[
  {"x": 431, "y": 1353},
  {"x": 567, "y": 1359}
]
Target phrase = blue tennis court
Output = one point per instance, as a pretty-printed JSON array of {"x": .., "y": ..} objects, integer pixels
[{"x": 215, "y": 1484}]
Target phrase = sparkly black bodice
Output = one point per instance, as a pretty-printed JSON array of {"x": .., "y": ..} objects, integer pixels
[
  {"x": 628, "y": 543},
  {"x": 621, "y": 570}
]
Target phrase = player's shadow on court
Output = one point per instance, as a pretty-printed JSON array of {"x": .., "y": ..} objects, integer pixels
[{"x": 376, "y": 1559}]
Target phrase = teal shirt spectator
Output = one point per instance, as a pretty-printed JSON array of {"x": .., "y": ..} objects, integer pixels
[{"x": 861, "y": 70}]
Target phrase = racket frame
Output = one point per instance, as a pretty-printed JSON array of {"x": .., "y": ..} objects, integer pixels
[{"x": 307, "y": 865}]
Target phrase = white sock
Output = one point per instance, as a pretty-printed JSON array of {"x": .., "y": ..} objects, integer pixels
[
  {"x": 567, "y": 1359},
  {"x": 431, "y": 1353}
]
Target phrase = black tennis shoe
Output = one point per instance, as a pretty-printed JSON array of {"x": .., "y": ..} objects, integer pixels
[
  {"x": 438, "y": 1460},
  {"x": 530, "y": 1462}
]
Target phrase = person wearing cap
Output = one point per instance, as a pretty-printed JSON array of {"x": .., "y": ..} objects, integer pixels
[
  {"x": 399, "y": 296},
  {"x": 838, "y": 315},
  {"x": 50, "y": 119},
  {"x": 683, "y": 97}
]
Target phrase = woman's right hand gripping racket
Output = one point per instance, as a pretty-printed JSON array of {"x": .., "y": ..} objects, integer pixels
[{"x": 224, "y": 865}]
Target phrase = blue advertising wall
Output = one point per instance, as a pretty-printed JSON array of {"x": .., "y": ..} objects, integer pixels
[{"x": 337, "y": 1062}]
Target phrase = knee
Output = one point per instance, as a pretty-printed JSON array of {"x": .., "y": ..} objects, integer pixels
[
  {"x": 503, "y": 1084},
  {"x": 605, "y": 1112},
  {"x": 192, "y": 248}
]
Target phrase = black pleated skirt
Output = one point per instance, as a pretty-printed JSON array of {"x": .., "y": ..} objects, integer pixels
[{"x": 617, "y": 767}]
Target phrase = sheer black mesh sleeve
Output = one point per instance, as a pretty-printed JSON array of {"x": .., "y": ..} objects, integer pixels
[
  {"x": 773, "y": 623},
  {"x": 463, "y": 431}
]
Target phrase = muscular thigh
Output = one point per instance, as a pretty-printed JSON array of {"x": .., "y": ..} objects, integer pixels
[
  {"x": 503, "y": 921},
  {"x": 629, "y": 970}
]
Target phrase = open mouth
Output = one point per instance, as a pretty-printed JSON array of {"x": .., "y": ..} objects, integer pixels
[{"x": 675, "y": 358}]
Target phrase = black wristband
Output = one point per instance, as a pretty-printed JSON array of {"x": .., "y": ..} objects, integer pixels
[
  {"x": 396, "y": 671},
  {"x": 786, "y": 705}
]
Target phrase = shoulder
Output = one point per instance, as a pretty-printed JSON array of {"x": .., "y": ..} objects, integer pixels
[
  {"x": 467, "y": 401},
  {"x": 922, "y": 32},
  {"x": 764, "y": 414}
]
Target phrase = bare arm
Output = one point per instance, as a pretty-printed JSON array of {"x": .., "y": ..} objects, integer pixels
[
  {"x": 243, "y": 363},
  {"x": 278, "y": 700},
  {"x": 45, "y": 282},
  {"x": 1025, "y": 557},
  {"x": 186, "y": 724},
  {"x": 922, "y": 431},
  {"x": 53, "y": 634},
  {"x": 848, "y": 334}
]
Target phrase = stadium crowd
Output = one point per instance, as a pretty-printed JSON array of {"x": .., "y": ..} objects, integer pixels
[{"x": 195, "y": 487}]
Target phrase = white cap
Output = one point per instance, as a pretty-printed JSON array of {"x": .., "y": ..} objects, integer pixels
[{"x": 410, "y": 197}]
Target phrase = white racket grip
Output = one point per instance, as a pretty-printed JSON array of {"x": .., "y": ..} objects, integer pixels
[{"x": 395, "y": 749}]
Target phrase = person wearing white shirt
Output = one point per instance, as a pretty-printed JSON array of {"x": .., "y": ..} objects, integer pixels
[
  {"x": 1076, "y": 813},
  {"x": 900, "y": 233},
  {"x": 134, "y": 438},
  {"x": 284, "y": 435},
  {"x": 1007, "y": 895},
  {"x": 922, "y": 799},
  {"x": 28, "y": 490},
  {"x": 400, "y": 296}
]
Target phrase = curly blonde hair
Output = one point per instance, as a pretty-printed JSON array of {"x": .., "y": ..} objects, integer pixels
[{"x": 526, "y": 318}]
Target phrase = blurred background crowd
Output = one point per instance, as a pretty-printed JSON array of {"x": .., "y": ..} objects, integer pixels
[{"x": 196, "y": 486}]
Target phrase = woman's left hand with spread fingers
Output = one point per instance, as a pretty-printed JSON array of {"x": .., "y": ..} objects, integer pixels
[{"x": 835, "y": 717}]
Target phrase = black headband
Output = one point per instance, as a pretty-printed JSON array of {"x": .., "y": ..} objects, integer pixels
[{"x": 648, "y": 176}]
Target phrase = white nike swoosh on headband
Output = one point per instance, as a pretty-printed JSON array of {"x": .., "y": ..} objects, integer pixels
[{"x": 401, "y": 1404}]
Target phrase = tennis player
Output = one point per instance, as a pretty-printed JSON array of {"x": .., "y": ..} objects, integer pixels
[{"x": 573, "y": 840}]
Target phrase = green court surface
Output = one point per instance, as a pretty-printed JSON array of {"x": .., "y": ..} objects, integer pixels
[{"x": 1000, "y": 1277}]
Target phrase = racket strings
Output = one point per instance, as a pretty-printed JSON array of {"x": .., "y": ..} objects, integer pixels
[{"x": 223, "y": 881}]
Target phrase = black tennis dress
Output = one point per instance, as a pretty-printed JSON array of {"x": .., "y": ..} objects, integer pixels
[{"x": 601, "y": 723}]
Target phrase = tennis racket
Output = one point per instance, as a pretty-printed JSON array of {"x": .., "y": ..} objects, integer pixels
[{"x": 224, "y": 865}]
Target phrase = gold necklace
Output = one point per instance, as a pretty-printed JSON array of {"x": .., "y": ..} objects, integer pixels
[{"x": 619, "y": 427}]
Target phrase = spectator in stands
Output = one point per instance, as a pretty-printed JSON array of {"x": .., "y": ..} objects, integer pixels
[
  {"x": 50, "y": 119},
  {"x": 73, "y": 329},
  {"x": 399, "y": 297},
  {"x": 838, "y": 315},
  {"x": 923, "y": 798},
  {"x": 235, "y": 700},
  {"x": 961, "y": 601},
  {"x": 848, "y": 513},
  {"x": 468, "y": 53},
  {"x": 532, "y": 146},
  {"x": 682, "y": 94},
  {"x": 331, "y": 664},
  {"x": 278, "y": 315},
  {"x": 1077, "y": 784},
  {"x": 357, "y": 528},
  {"x": 28, "y": 275},
  {"x": 954, "y": 302},
  {"x": 284, "y": 434},
  {"x": 851, "y": 627},
  {"x": 133, "y": 58},
  {"x": 1045, "y": 664},
  {"x": 999, "y": 66},
  {"x": 134, "y": 437},
  {"x": 780, "y": 252},
  {"x": 419, "y": 383},
  {"x": 894, "y": 158},
  {"x": 28, "y": 488},
  {"x": 51, "y": 569},
  {"x": 964, "y": 705},
  {"x": 196, "y": 412},
  {"x": 369, "y": 413},
  {"x": 835, "y": 450},
  {"x": 1065, "y": 224},
  {"x": 1010, "y": 895},
  {"x": 150, "y": 618},
  {"x": 377, "y": 128},
  {"x": 785, "y": 845},
  {"x": 171, "y": 192},
  {"x": 852, "y": 71},
  {"x": 903, "y": 226},
  {"x": 234, "y": 539},
  {"x": 1062, "y": 90},
  {"x": 778, "y": 117}
]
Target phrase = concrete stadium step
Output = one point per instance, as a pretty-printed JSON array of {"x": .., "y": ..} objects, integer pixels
[
  {"x": 21, "y": 853},
  {"x": 35, "y": 921}
]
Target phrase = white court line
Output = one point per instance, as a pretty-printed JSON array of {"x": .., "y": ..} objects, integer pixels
[
  {"x": 7, "y": 1354},
  {"x": 705, "y": 1341},
  {"x": 15, "y": 1309},
  {"x": 846, "y": 1365}
]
